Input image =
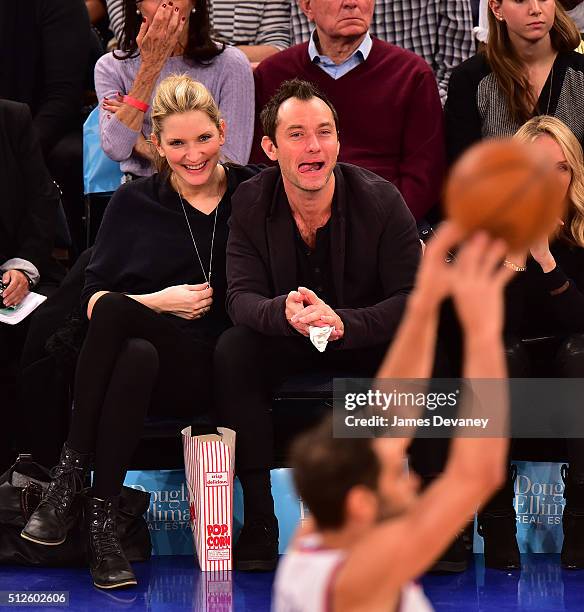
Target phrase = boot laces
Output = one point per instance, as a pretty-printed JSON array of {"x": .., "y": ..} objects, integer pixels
[
  {"x": 66, "y": 482},
  {"x": 103, "y": 532}
]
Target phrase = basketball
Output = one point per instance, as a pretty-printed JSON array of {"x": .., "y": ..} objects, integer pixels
[{"x": 505, "y": 188}]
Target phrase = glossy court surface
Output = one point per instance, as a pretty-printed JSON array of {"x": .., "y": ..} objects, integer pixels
[{"x": 174, "y": 583}]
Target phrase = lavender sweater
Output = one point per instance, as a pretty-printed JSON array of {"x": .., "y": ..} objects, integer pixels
[{"x": 229, "y": 79}]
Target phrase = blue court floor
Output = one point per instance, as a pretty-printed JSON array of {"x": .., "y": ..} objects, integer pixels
[{"x": 174, "y": 583}]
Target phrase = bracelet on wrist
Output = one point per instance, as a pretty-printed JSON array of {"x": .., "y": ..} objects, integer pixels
[
  {"x": 514, "y": 267},
  {"x": 135, "y": 103}
]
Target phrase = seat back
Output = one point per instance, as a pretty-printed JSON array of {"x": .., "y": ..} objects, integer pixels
[
  {"x": 100, "y": 173},
  {"x": 101, "y": 176}
]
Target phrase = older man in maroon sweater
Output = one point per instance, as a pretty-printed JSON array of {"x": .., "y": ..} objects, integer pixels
[{"x": 387, "y": 99}]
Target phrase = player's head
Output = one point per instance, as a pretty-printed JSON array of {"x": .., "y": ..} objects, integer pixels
[
  {"x": 351, "y": 480},
  {"x": 556, "y": 141}
]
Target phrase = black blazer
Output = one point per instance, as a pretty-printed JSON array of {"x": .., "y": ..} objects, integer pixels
[
  {"x": 375, "y": 252},
  {"x": 28, "y": 207},
  {"x": 44, "y": 46}
]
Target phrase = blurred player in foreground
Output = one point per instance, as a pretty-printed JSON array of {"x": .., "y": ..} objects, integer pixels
[{"x": 371, "y": 533}]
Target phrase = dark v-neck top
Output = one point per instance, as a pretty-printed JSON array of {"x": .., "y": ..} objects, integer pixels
[
  {"x": 476, "y": 107},
  {"x": 313, "y": 265},
  {"x": 144, "y": 245}
]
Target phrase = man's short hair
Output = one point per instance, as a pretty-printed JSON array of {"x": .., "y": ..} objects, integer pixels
[
  {"x": 327, "y": 468},
  {"x": 296, "y": 88}
]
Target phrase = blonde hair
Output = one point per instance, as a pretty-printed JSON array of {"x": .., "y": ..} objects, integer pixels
[
  {"x": 507, "y": 67},
  {"x": 175, "y": 95},
  {"x": 573, "y": 230}
]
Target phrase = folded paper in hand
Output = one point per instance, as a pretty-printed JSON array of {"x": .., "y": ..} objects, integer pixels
[
  {"x": 12, "y": 316},
  {"x": 319, "y": 336}
]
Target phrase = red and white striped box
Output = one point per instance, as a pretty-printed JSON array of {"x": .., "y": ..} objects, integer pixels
[
  {"x": 209, "y": 468},
  {"x": 214, "y": 592}
]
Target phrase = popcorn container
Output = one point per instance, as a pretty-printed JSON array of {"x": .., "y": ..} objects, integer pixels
[{"x": 209, "y": 470}]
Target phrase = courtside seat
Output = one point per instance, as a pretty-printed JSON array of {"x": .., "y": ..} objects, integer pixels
[{"x": 299, "y": 403}]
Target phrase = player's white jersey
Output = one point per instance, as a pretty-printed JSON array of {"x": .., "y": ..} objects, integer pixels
[{"x": 306, "y": 575}]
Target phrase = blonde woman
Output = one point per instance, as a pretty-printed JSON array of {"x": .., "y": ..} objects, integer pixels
[
  {"x": 528, "y": 67},
  {"x": 547, "y": 298},
  {"x": 155, "y": 294}
]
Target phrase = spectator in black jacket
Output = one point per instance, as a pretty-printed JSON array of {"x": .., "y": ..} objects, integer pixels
[
  {"x": 154, "y": 295},
  {"x": 44, "y": 46},
  {"x": 313, "y": 243},
  {"x": 548, "y": 298},
  {"x": 27, "y": 228}
]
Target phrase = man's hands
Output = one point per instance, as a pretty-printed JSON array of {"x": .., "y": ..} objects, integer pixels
[
  {"x": 305, "y": 308},
  {"x": 294, "y": 305},
  {"x": 186, "y": 301},
  {"x": 17, "y": 287}
]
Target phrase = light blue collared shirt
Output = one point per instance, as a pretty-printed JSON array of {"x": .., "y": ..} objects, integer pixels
[{"x": 336, "y": 71}]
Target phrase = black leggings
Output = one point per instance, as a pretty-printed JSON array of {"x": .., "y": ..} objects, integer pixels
[
  {"x": 133, "y": 361},
  {"x": 566, "y": 360},
  {"x": 248, "y": 366}
]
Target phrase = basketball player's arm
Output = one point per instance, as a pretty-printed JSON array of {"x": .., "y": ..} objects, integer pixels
[
  {"x": 411, "y": 355},
  {"x": 401, "y": 549},
  {"x": 412, "y": 352}
]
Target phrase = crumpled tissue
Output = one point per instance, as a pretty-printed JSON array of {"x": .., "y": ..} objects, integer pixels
[{"x": 319, "y": 336}]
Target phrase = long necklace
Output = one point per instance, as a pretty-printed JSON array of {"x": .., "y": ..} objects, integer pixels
[
  {"x": 207, "y": 276},
  {"x": 547, "y": 112}
]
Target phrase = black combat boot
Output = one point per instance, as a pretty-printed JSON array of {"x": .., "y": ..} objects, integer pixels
[
  {"x": 60, "y": 504},
  {"x": 256, "y": 549},
  {"x": 573, "y": 521},
  {"x": 107, "y": 562},
  {"x": 497, "y": 524}
]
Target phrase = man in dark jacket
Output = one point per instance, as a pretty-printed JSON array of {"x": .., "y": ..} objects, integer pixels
[
  {"x": 28, "y": 210},
  {"x": 315, "y": 247},
  {"x": 44, "y": 46}
]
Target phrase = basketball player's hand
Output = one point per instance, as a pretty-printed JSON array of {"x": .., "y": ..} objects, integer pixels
[
  {"x": 434, "y": 277},
  {"x": 477, "y": 285},
  {"x": 186, "y": 301},
  {"x": 318, "y": 313},
  {"x": 294, "y": 305}
]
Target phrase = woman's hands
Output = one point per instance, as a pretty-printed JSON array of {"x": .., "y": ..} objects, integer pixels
[
  {"x": 113, "y": 105},
  {"x": 158, "y": 39},
  {"x": 186, "y": 301},
  {"x": 540, "y": 251}
]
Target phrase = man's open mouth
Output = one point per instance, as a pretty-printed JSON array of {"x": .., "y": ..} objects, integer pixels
[{"x": 310, "y": 167}]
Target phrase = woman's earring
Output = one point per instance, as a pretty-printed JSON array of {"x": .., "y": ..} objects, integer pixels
[
  {"x": 193, "y": 10},
  {"x": 138, "y": 12}
]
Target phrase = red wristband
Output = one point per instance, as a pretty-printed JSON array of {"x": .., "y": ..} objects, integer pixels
[{"x": 141, "y": 106}]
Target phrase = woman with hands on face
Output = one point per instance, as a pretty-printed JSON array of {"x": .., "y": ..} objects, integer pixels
[
  {"x": 547, "y": 298},
  {"x": 155, "y": 296},
  {"x": 163, "y": 38}
]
